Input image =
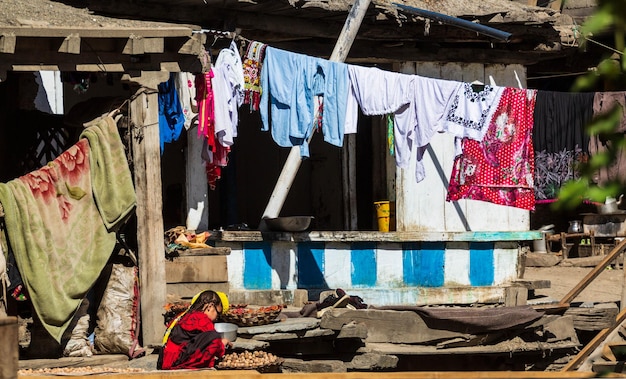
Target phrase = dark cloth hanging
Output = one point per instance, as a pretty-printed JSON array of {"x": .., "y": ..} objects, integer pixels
[{"x": 560, "y": 120}]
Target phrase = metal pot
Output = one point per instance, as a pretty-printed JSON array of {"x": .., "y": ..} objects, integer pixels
[
  {"x": 608, "y": 208},
  {"x": 611, "y": 205},
  {"x": 227, "y": 330}
]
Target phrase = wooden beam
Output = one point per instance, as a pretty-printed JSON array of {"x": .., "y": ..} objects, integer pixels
[
  {"x": 103, "y": 55},
  {"x": 35, "y": 67},
  {"x": 71, "y": 44},
  {"x": 594, "y": 273},
  {"x": 354, "y": 236},
  {"x": 62, "y": 32},
  {"x": 7, "y": 42},
  {"x": 147, "y": 172}
]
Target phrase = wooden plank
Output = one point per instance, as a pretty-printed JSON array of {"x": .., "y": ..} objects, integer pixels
[
  {"x": 348, "y": 236},
  {"x": 594, "y": 343},
  {"x": 197, "y": 269},
  {"x": 205, "y": 251},
  {"x": 35, "y": 67},
  {"x": 593, "y": 319},
  {"x": 501, "y": 348},
  {"x": 594, "y": 273},
  {"x": 147, "y": 172},
  {"x": 99, "y": 67},
  {"x": 515, "y": 296}
]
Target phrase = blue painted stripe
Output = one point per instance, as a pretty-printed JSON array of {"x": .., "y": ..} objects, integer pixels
[
  {"x": 423, "y": 263},
  {"x": 363, "y": 257},
  {"x": 311, "y": 265},
  {"x": 481, "y": 264},
  {"x": 257, "y": 260}
]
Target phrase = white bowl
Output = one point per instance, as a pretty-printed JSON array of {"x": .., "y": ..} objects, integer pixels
[{"x": 227, "y": 330}]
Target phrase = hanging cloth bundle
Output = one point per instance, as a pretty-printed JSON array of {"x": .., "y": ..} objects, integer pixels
[{"x": 252, "y": 63}]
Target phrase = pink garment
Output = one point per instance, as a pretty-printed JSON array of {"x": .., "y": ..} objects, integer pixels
[
  {"x": 499, "y": 169},
  {"x": 206, "y": 106},
  {"x": 214, "y": 154}
]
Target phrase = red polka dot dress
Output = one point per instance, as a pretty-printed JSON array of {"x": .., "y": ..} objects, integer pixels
[{"x": 500, "y": 168}]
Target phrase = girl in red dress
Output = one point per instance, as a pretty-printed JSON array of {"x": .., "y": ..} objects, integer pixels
[{"x": 191, "y": 341}]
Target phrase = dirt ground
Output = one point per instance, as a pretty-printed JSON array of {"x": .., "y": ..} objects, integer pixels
[{"x": 607, "y": 287}]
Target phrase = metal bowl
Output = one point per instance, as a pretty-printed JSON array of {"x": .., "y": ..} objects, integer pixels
[
  {"x": 227, "y": 330},
  {"x": 289, "y": 223}
]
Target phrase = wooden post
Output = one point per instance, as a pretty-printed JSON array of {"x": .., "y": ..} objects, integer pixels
[
  {"x": 339, "y": 54},
  {"x": 622, "y": 302},
  {"x": 147, "y": 173}
]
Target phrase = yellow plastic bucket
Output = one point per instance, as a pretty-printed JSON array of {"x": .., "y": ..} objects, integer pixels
[{"x": 383, "y": 213}]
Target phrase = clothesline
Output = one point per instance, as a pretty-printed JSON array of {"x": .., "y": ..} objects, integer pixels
[{"x": 434, "y": 105}]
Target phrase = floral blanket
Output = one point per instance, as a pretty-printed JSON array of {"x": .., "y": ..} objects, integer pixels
[{"x": 61, "y": 221}]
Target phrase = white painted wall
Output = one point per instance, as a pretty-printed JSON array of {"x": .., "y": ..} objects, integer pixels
[{"x": 422, "y": 206}]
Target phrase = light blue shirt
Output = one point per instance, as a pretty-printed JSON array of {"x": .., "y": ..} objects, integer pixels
[{"x": 289, "y": 83}]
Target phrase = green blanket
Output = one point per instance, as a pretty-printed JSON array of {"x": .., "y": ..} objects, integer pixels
[{"x": 61, "y": 221}]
